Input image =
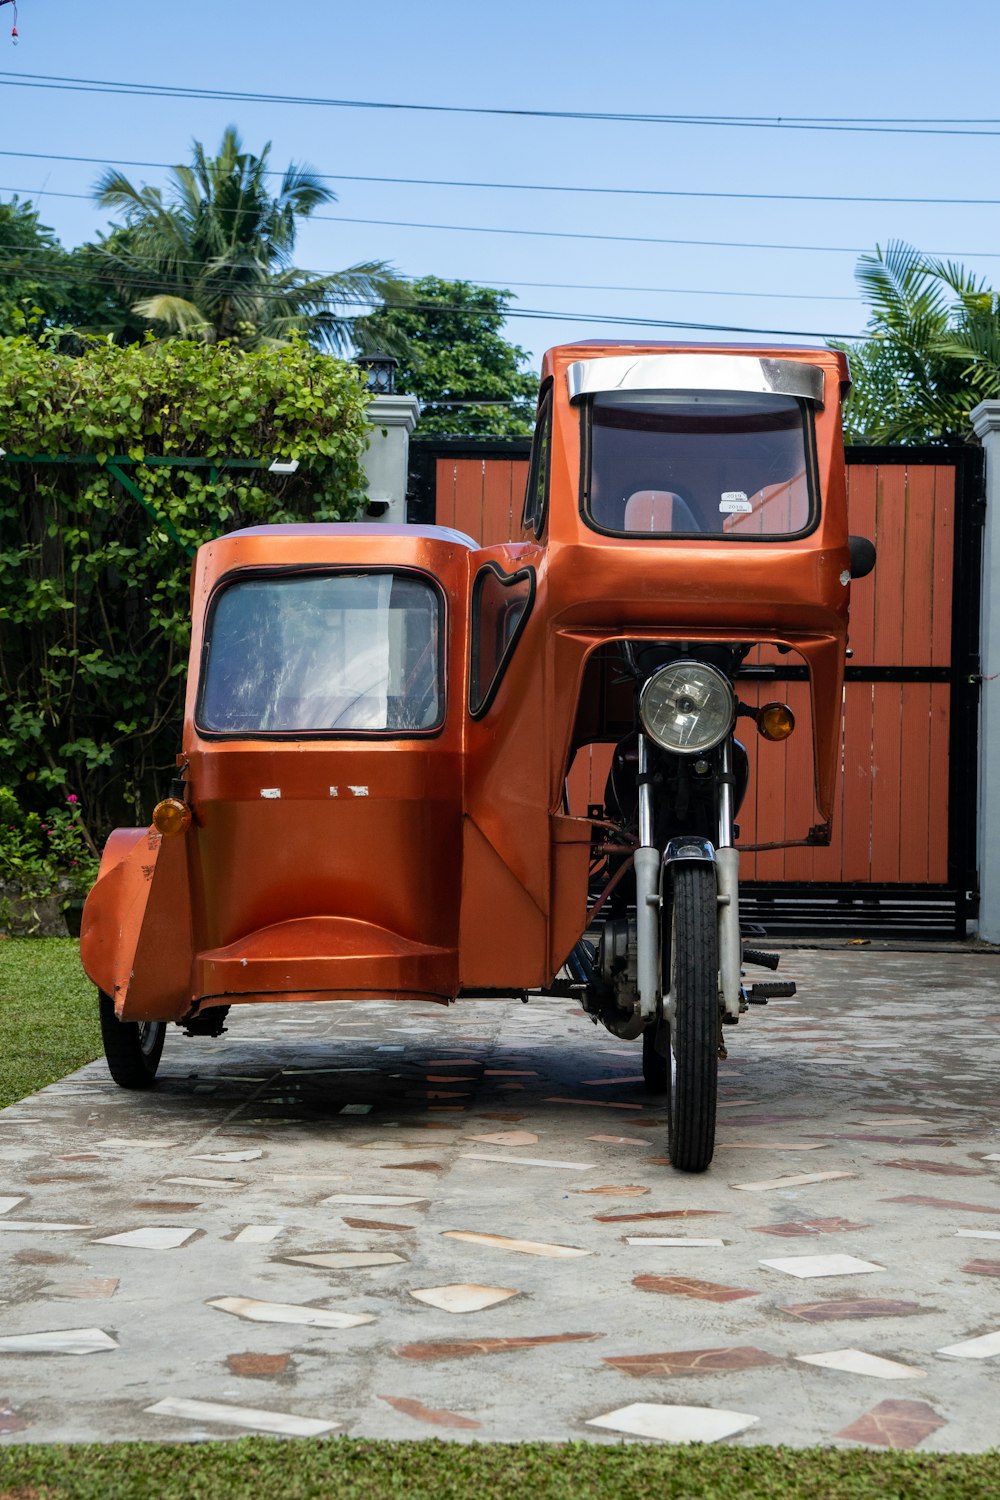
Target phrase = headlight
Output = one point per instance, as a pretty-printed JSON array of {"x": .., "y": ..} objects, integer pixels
[{"x": 687, "y": 707}]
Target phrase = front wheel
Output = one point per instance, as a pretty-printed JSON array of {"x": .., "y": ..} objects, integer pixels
[
  {"x": 691, "y": 954},
  {"x": 132, "y": 1048}
]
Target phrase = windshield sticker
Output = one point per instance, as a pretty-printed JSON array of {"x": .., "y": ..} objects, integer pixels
[{"x": 735, "y": 502}]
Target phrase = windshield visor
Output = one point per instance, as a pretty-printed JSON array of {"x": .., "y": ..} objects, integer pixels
[
  {"x": 703, "y": 464},
  {"x": 344, "y": 653}
]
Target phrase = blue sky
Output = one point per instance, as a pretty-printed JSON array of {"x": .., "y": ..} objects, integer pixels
[{"x": 772, "y": 59}]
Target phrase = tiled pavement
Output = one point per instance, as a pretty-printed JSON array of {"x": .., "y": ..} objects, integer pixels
[{"x": 397, "y": 1221}]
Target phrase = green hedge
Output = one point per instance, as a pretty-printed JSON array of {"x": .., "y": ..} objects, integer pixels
[{"x": 94, "y": 623}]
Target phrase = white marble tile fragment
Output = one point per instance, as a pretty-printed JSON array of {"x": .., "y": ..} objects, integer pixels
[
  {"x": 978, "y": 1234},
  {"x": 346, "y": 1260},
  {"x": 858, "y": 1362},
  {"x": 154, "y": 1143},
  {"x": 32, "y": 1226},
  {"x": 356, "y": 1109},
  {"x": 675, "y": 1424},
  {"x": 507, "y": 1138},
  {"x": 771, "y": 1146},
  {"x": 463, "y": 1297},
  {"x": 657, "y": 1240},
  {"x": 6, "y": 1204},
  {"x": 153, "y": 1237},
  {"x": 897, "y": 1120},
  {"x": 993, "y": 1156},
  {"x": 58, "y": 1341},
  {"x": 983, "y": 1347},
  {"x": 620, "y": 1140},
  {"x": 528, "y": 1161},
  {"x": 242, "y": 1416},
  {"x": 259, "y": 1234},
  {"x": 256, "y": 1311},
  {"x": 806, "y": 1266},
  {"x": 205, "y": 1182},
  {"x": 522, "y": 1247},
  {"x": 800, "y": 1179},
  {"x": 377, "y": 1200},
  {"x": 249, "y": 1155}
]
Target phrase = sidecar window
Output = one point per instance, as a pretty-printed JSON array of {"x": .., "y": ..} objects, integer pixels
[
  {"x": 501, "y": 603},
  {"x": 317, "y": 654},
  {"x": 691, "y": 463}
]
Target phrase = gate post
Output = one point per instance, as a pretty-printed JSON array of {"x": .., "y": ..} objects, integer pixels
[
  {"x": 386, "y": 460},
  {"x": 985, "y": 420}
]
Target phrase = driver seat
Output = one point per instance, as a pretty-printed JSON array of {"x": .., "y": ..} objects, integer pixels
[{"x": 657, "y": 511}]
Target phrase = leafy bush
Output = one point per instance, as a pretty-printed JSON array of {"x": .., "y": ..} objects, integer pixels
[
  {"x": 93, "y": 586},
  {"x": 48, "y": 853}
]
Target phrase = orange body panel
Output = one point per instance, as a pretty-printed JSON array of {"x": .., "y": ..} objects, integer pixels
[{"x": 339, "y": 868}]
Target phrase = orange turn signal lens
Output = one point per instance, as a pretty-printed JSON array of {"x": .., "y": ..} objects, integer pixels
[
  {"x": 775, "y": 721},
  {"x": 171, "y": 816}
]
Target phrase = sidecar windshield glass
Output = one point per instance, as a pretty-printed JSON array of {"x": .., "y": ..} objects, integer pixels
[
  {"x": 341, "y": 653},
  {"x": 700, "y": 463}
]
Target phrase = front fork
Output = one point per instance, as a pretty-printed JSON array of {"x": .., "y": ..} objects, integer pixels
[{"x": 648, "y": 898}]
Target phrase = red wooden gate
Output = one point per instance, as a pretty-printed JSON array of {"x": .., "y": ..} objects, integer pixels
[{"x": 903, "y": 855}]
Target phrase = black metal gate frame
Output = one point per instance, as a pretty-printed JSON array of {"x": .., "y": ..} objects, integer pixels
[{"x": 863, "y": 909}]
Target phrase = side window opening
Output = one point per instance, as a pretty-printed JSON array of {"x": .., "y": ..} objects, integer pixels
[
  {"x": 536, "y": 497},
  {"x": 501, "y": 604}
]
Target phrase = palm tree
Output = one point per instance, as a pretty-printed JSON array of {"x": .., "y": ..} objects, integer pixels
[
  {"x": 931, "y": 349},
  {"x": 213, "y": 259}
]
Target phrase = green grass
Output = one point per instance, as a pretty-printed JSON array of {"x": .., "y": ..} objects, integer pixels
[
  {"x": 355, "y": 1469},
  {"x": 48, "y": 1015}
]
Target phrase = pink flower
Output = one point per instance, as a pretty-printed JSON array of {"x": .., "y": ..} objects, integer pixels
[{"x": 72, "y": 797}]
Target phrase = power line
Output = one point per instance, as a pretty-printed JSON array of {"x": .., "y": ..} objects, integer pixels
[
  {"x": 538, "y": 187},
  {"x": 862, "y": 125},
  {"x": 533, "y": 313},
  {"x": 551, "y": 234}
]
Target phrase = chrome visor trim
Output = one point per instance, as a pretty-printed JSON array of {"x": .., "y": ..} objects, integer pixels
[{"x": 695, "y": 372}]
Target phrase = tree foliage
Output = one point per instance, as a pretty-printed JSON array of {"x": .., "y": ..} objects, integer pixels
[
  {"x": 43, "y": 286},
  {"x": 931, "y": 349},
  {"x": 212, "y": 258},
  {"x": 455, "y": 353},
  {"x": 94, "y": 615}
]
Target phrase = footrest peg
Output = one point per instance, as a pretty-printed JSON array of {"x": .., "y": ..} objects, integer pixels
[
  {"x": 762, "y": 959},
  {"x": 770, "y": 989}
]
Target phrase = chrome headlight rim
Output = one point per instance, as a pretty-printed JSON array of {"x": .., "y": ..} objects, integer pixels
[{"x": 703, "y": 746}]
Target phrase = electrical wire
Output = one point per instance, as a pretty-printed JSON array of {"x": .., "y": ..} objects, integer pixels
[
  {"x": 857, "y": 124},
  {"x": 537, "y": 187},
  {"x": 556, "y": 234},
  {"x": 547, "y": 314}
]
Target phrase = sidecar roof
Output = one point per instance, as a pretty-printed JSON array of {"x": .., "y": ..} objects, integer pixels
[{"x": 437, "y": 550}]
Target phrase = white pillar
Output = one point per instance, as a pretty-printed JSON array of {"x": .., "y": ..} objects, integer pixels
[
  {"x": 386, "y": 463},
  {"x": 986, "y": 423}
]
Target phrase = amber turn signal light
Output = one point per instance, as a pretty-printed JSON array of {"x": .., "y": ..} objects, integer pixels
[
  {"x": 171, "y": 816},
  {"x": 775, "y": 721}
]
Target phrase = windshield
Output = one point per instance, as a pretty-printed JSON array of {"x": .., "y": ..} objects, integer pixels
[
  {"x": 707, "y": 463},
  {"x": 350, "y": 653}
]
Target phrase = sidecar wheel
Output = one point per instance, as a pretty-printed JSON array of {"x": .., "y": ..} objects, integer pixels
[
  {"x": 132, "y": 1048},
  {"x": 655, "y": 1064},
  {"x": 694, "y": 986}
]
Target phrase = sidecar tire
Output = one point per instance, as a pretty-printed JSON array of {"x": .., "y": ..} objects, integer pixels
[
  {"x": 693, "y": 945},
  {"x": 132, "y": 1048},
  {"x": 655, "y": 1066}
]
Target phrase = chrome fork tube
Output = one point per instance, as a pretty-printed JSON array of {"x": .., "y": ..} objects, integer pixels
[
  {"x": 647, "y": 895},
  {"x": 727, "y": 864}
]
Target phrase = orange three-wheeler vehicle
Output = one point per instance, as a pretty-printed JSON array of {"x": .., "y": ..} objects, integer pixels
[{"x": 380, "y": 721}]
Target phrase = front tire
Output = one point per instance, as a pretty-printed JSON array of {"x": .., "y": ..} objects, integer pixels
[
  {"x": 693, "y": 947},
  {"x": 132, "y": 1048}
]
